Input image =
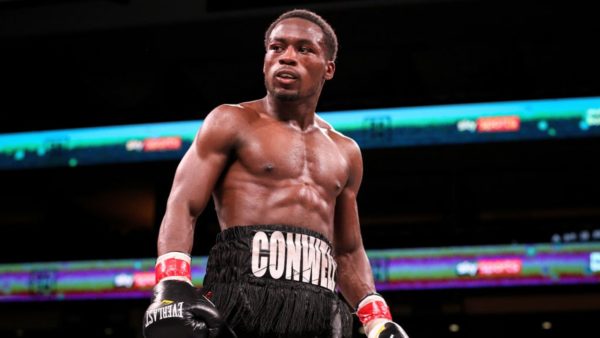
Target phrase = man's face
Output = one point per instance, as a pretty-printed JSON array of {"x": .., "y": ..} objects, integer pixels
[{"x": 295, "y": 65}]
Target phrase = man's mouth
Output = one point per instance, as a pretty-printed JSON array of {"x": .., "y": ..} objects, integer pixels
[{"x": 286, "y": 75}]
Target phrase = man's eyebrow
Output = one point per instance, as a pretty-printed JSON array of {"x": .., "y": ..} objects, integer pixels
[{"x": 286, "y": 40}]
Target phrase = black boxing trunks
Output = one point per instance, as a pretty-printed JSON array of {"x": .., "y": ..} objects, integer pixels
[{"x": 276, "y": 281}]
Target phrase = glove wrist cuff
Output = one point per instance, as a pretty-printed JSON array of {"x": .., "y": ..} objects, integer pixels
[
  {"x": 373, "y": 307},
  {"x": 173, "y": 266}
]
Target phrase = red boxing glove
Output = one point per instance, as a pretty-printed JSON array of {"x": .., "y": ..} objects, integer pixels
[
  {"x": 374, "y": 314},
  {"x": 174, "y": 266}
]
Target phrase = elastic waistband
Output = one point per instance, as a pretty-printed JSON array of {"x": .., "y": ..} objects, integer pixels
[{"x": 244, "y": 231}]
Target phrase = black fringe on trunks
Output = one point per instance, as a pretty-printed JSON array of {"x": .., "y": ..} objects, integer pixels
[{"x": 266, "y": 306}]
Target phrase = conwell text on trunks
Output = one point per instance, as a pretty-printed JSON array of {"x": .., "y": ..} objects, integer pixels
[{"x": 293, "y": 256}]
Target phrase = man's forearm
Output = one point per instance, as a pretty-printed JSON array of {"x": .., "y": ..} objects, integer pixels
[
  {"x": 355, "y": 278},
  {"x": 176, "y": 231},
  {"x": 358, "y": 287}
]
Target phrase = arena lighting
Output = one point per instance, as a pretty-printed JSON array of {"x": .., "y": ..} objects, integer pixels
[
  {"x": 393, "y": 269},
  {"x": 371, "y": 128},
  {"x": 454, "y": 328}
]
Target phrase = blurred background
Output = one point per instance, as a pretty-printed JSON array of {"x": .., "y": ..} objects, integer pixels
[{"x": 482, "y": 204}]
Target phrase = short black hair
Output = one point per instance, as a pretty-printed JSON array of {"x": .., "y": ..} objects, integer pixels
[{"x": 331, "y": 41}]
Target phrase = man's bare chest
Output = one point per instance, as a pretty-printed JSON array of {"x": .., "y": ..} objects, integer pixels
[{"x": 312, "y": 157}]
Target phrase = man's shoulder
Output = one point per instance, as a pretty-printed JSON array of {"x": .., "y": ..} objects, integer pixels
[
  {"x": 337, "y": 136},
  {"x": 237, "y": 109},
  {"x": 232, "y": 113}
]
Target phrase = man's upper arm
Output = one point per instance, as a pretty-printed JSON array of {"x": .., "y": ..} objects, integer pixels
[
  {"x": 196, "y": 176},
  {"x": 347, "y": 226},
  {"x": 204, "y": 162}
]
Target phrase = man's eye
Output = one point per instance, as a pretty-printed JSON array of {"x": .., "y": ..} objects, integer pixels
[
  {"x": 275, "y": 48},
  {"x": 304, "y": 50}
]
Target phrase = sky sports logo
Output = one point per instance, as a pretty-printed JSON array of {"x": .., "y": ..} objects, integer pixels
[
  {"x": 490, "y": 124},
  {"x": 490, "y": 267},
  {"x": 136, "y": 280}
]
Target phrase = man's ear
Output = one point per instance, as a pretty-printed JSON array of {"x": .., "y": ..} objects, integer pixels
[{"x": 329, "y": 70}]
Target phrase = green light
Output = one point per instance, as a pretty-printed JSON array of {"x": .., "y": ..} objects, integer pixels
[{"x": 19, "y": 155}]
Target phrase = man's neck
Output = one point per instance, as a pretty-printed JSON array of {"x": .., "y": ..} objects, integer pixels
[{"x": 300, "y": 113}]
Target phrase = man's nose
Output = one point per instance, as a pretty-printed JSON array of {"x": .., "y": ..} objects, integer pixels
[{"x": 289, "y": 56}]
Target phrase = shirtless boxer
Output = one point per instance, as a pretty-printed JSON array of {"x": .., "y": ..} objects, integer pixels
[{"x": 284, "y": 185}]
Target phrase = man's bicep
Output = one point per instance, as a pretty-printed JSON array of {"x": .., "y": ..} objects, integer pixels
[
  {"x": 203, "y": 164},
  {"x": 194, "y": 180},
  {"x": 347, "y": 226},
  {"x": 347, "y": 223}
]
